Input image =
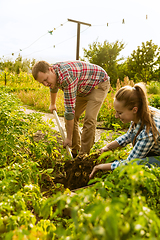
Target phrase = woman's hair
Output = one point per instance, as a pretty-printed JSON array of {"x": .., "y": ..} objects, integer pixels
[
  {"x": 40, "y": 66},
  {"x": 137, "y": 97}
]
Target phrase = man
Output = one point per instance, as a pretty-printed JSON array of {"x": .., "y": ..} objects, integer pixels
[{"x": 85, "y": 87}]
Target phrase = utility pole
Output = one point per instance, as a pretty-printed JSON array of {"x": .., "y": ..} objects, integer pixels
[{"x": 78, "y": 35}]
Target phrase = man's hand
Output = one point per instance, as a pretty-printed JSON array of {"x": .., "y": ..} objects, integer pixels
[
  {"x": 52, "y": 107},
  {"x": 67, "y": 142}
]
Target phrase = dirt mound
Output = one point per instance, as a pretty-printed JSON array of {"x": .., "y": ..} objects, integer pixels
[
  {"x": 72, "y": 174},
  {"x": 76, "y": 172}
]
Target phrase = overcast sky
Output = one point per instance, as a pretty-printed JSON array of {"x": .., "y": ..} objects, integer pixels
[{"x": 24, "y": 26}]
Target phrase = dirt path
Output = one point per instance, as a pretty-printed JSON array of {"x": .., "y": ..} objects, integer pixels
[{"x": 47, "y": 116}]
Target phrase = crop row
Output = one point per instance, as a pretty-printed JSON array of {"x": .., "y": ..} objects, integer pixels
[{"x": 123, "y": 204}]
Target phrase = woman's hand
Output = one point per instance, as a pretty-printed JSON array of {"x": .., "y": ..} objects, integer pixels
[
  {"x": 104, "y": 149},
  {"x": 95, "y": 169},
  {"x": 104, "y": 167}
]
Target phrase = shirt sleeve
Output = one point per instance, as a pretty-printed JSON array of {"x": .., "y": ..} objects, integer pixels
[
  {"x": 143, "y": 145},
  {"x": 70, "y": 93},
  {"x": 125, "y": 139},
  {"x": 68, "y": 84},
  {"x": 54, "y": 90}
]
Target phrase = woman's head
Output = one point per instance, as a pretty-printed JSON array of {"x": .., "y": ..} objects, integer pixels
[
  {"x": 134, "y": 99},
  {"x": 134, "y": 103},
  {"x": 125, "y": 114}
]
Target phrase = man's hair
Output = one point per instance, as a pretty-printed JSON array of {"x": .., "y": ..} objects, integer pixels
[
  {"x": 137, "y": 97},
  {"x": 40, "y": 66}
]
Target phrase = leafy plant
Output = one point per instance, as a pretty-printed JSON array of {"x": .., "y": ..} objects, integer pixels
[
  {"x": 153, "y": 87},
  {"x": 123, "y": 204},
  {"x": 155, "y": 101}
]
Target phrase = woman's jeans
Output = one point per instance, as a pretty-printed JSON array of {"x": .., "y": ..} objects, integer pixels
[
  {"x": 148, "y": 160},
  {"x": 151, "y": 158}
]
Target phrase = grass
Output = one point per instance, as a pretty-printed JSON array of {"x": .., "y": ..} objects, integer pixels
[
  {"x": 37, "y": 97},
  {"x": 40, "y": 100}
]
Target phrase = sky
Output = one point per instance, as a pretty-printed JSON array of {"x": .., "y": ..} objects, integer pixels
[{"x": 25, "y": 26}]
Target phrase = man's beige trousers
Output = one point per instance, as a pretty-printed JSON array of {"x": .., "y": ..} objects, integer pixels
[{"x": 91, "y": 104}]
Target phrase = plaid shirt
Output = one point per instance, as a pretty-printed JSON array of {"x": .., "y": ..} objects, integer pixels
[
  {"x": 77, "y": 78},
  {"x": 143, "y": 145}
]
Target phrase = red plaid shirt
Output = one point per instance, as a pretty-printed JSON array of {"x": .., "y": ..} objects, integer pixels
[{"x": 77, "y": 78}]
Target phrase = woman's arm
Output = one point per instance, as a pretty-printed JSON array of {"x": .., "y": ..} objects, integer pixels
[
  {"x": 110, "y": 146},
  {"x": 104, "y": 167}
]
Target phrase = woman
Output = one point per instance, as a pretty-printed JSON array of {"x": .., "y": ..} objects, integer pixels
[{"x": 131, "y": 105}]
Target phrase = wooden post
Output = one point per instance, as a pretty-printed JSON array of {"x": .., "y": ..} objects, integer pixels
[{"x": 78, "y": 35}]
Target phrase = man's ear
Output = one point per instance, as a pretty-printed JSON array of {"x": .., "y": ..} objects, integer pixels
[
  {"x": 50, "y": 69},
  {"x": 135, "y": 109}
]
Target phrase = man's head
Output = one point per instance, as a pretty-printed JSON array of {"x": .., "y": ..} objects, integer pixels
[
  {"x": 40, "y": 66},
  {"x": 45, "y": 74}
]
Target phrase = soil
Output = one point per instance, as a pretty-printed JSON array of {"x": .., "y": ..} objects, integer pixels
[
  {"x": 77, "y": 171},
  {"x": 71, "y": 173},
  {"x": 74, "y": 173}
]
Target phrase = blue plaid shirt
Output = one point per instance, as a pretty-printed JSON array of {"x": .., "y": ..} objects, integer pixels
[{"x": 143, "y": 145}]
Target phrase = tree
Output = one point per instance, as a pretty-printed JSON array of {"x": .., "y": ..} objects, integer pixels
[
  {"x": 8, "y": 64},
  {"x": 19, "y": 65},
  {"x": 142, "y": 64},
  {"x": 157, "y": 71},
  {"x": 32, "y": 62},
  {"x": 105, "y": 55}
]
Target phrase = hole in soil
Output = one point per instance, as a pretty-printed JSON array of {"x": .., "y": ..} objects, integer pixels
[{"x": 74, "y": 173}]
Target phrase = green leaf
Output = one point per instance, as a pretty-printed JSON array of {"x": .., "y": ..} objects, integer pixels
[{"x": 49, "y": 170}]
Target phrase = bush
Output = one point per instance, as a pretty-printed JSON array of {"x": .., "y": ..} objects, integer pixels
[
  {"x": 155, "y": 101},
  {"x": 153, "y": 87}
]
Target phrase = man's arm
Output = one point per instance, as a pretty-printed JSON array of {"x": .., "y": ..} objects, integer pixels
[
  {"x": 68, "y": 123},
  {"x": 69, "y": 129},
  {"x": 53, "y": 101}
]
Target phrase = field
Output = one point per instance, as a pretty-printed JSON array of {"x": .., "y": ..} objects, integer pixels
[{"x": 39, "y": 183}]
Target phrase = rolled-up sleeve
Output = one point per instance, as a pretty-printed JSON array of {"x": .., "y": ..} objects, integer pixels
[
  {"x": 125, "y": 139},
  {"x": 144, "y": 144},
  {"x": 54, "y": 90},
  {"x": 70, "y": 93},
  {"x": 115, "y": 164},
  {"x": 122, "y": 141}
]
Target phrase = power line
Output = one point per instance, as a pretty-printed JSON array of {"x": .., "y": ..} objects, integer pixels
[
  {"x": 34, "y": 42},
  {"x": 53, "y": 46},
  {"x": 51, "y": 33}
]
